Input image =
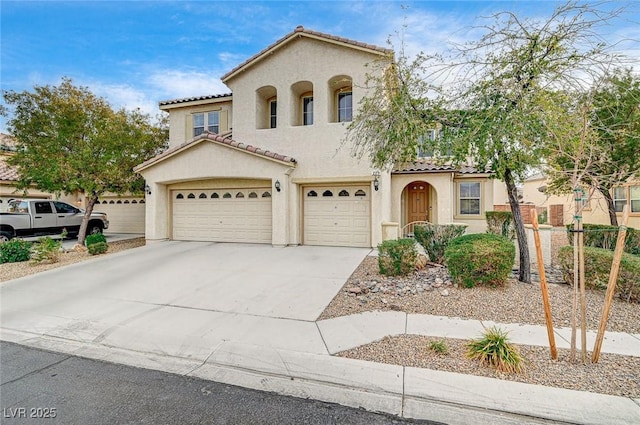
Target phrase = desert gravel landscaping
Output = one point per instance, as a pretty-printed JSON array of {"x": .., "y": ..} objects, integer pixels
[
  {"x": 10, "y": 271},
  {"x": 430, "y": 291}
]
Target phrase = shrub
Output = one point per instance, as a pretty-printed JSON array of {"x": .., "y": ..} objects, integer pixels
[
  {"x": 439, "y": 347},
  {"x": 597, "y": 266},
  {"x": 604, "y": 236},
  {"x": 97, "y": 248},
  {"x": 397, "y": 257},
  {"x": 46, "y": 249},
  {"x": 14, "y": 251},
  {"x": 435, "y": 238},
  {"x": 501, "y": 223},
  {"x": 95, "y": 238},
  {"x": 494, "y": 350},
  {"x": 481, "y": 258}
]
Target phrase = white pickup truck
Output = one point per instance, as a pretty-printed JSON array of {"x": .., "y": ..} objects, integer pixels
[{"x": 39, "y": 217}]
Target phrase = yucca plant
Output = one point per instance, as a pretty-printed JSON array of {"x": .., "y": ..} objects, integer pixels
[
  {"x": 495, "y": 350},
  {"x": 439, "y": 347}
]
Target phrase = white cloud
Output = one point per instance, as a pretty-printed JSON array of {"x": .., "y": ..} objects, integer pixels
[{"x": 171, "y": 84}]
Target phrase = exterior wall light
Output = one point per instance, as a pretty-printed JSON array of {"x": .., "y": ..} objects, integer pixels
[
  {"x": 277, "y": 185},
  {"x": 376, "y": 182},
  {"x": 147, "y": 189}
]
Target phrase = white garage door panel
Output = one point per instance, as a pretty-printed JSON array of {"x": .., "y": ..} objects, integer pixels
[
  {"x": 337, "y": 216},
  {"x": 126, "y": 215},
  {"x": 243, "y": 217}
]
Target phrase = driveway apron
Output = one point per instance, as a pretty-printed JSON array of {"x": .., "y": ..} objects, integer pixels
[{"x": 183, "y": 299}]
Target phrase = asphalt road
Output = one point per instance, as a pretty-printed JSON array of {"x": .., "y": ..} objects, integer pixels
[{"x": 42, "y": 387}]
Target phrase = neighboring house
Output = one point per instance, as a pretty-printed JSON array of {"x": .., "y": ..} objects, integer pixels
[
  {"x": 126, "y": 213},
  {"x": 267, "y": 164},
  {"x": 562, "y": 208}
]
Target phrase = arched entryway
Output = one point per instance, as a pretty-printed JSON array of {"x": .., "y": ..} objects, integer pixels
[{"x": 419, "y": 202}]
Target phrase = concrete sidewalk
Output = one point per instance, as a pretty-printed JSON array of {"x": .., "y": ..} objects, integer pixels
[
  {"x": 404, "y": 391},
  {"x": 128, "y": 308}
]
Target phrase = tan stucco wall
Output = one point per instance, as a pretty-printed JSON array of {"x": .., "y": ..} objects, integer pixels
[
  {"x": 595, "y": 213},
  {"x": 211, "y": 165}
]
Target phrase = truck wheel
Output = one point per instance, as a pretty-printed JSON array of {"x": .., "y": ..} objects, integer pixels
[
  {"x": 94, "y": 228},
  {"x": 5, "y": 236}
]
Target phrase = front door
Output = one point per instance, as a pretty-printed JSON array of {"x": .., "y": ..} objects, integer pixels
[{"x": 418, "y": 199}]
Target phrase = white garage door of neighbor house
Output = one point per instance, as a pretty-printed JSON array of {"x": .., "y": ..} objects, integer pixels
[
  {"x": 222, "y": 215},
  {"x": 337, "y": 216},
  {"x": 126, "y": 215}
]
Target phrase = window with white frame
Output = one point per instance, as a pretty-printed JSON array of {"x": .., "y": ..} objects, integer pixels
[
  {"x": 345, "y": 106},
  {"x": 634, "y": 198},
  {"x": 307, "y": 110},
  {"x": 206, "y": 120},
  {"x": 425, "y": 150},
  {"x": 273, "y": 113},
  {"x": 619, "y": 198},
  {"x": 469, "y": 198}
]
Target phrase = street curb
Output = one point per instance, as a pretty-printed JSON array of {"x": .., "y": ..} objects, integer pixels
[{"x": 447, "y": 397}]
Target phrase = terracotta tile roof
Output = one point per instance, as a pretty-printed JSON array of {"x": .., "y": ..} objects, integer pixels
[
  {"x": 301, "y": 31},
  {"x": 426, "y": 166},
  {"x": 193, "y": 99},
  {"x": 222, "y": 139},
  {"x": 8, "y": 172}
]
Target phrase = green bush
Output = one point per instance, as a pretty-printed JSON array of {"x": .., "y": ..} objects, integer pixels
[
  {"x": 14, "y": 251},
  {"x": 439, "y": 347},
  {"x": 597, "y": 266},
  {"x": 480, "y": 259},
  {"x": 494, "y": 349},
  {"x": 46, "y": 249},
  {"x": 501, "y": 223},
  {"x": 605, "y": 236},
  {"x": 97, "y": 248},
  {"x": 397, "y": 257},
  {"x": 95, "y": 238},
  {"x": 435, "y": 238}
]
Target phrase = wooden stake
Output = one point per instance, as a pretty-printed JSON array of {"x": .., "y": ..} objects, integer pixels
[
  {"x": 543, "y": 285},
  {"x": 611, "y": 286}
]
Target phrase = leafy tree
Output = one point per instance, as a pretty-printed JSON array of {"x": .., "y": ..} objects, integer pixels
[
  {"x": 69, "y": 140},
  {"x": 611, "y": 158},
  {"x": 492, "y": 98}
]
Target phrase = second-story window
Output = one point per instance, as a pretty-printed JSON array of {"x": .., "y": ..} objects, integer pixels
[
  {"x": 206, "y": 120},
  {"x": 273, "y": 113},
  {"x": 345, "y": 106},
  {"x": 307, "y": 110}
]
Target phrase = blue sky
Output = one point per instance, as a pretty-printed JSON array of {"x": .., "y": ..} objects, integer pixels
[{"x": 137, "y": 53}]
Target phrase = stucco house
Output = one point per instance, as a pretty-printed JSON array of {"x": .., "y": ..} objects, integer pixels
[
  {"x": 562, "y": 207},
  {"x": 266, "y": 163}
]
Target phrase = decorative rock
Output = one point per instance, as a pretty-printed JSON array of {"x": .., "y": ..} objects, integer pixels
[{"x": 444, "y": 292}]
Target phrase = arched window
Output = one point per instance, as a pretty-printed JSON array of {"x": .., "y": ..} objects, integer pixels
[
  {"x": 302, "y": 94},
  {"x": 253, "y": 195},
  {"x": 119, "y": 202},
  {"x": 360, "y": 192},
  {"x": 134, "y": 202},
  {"x": 266, "y": 107},
  {"x": 343, "y": 193},
  {"x": 327, "y": 193},
  {"x": 179, "y": 196},
  {"x": 239, "y": 195},
  {"x": 215, "y": 195},
  {"x": 126, "y": 201},
  {"x": 312, "y": 194},
  {"x": 203, "y": 196},
  {"x": 266, "y": 194},
  {"x": 227, "y": 195},
  {"x": 191, "y": 196},
  {"x": 111, "y": 202}
]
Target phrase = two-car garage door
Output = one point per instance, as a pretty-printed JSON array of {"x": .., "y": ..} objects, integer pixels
[
  {"x": 332, "y": 215},
  {"x": 222, "y": 215}
]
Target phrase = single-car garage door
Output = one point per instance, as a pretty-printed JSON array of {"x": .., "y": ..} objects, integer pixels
[
  {"x": 126, "y": 215},
  {"x": 222, "y": 215},
  {"x": 337, "y": 216}
]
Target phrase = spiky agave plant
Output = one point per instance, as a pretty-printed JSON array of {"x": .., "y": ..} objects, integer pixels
[{"x": 495, "y": 350}]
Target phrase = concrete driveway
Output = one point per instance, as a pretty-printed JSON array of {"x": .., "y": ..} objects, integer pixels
[{"x": 181, "y": 299}]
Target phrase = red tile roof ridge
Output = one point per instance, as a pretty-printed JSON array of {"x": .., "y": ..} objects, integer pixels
[
  {"x": 223, "y": 139},
  {"x": 302, "y": 30}
]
